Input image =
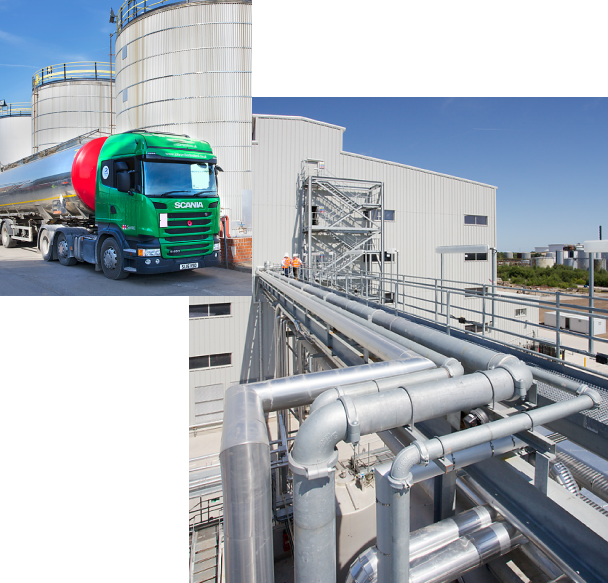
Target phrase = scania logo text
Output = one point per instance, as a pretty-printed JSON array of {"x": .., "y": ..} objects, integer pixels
[{"x": 189, "y": 205}]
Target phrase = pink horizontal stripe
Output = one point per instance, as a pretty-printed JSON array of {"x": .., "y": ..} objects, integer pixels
[
  {"x": 427, "y": 60},
  {"x": 430, "y": 36}
]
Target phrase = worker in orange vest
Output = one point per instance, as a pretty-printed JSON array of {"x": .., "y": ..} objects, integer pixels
[
  {"x": 296, "y": 264},
  {"x": 286, "y": 264}
]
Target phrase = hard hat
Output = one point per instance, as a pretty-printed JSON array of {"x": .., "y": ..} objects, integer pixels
[
  {"x": 295, "y": 255},
  {"x": 286, "y": 255}
]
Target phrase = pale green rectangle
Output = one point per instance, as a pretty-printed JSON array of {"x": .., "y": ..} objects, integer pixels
[{"x": 438, "y": 14}]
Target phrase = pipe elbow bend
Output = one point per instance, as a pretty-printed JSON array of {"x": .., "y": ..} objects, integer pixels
[
  {"x": 521, "y": 374},
  {"x": 592, "y": 394},
  {"x": 318, "y": 436},
  {"x": 400, "y": 477}
]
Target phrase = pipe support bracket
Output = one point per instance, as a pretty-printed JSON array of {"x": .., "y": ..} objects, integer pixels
[
  {"x": 591, "y": 393},
  {"x": 314, "y": 471},
  {"x": 353, "y": 431}
]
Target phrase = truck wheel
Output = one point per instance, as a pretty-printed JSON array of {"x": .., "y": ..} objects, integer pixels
[
  {"x": 45, "y": 246},
  {"x": 112, "y": 263},
  {"x": 7, "y": 240},
  {"x": 63, "y": 251}
]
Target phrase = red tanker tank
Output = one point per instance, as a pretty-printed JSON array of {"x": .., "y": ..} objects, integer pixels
[{"x": 84, "y": 171}]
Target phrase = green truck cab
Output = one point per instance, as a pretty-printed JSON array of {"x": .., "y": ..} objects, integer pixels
[{"x": 157, "y": 208}]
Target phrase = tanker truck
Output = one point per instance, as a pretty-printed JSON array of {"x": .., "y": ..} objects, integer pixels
[{"x": 136, "y": 202}]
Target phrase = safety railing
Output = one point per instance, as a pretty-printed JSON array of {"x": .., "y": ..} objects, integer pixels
[
  {"x": 131, "y": 9},
  {"x": 20, "y": 108},
  {"x": 509, "y": 315},
  {"x": 82, "y": 70},
  {"x": 206, "y": 512}
]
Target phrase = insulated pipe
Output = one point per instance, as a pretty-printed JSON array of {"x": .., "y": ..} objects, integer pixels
[
  {"x": 378, "y": 345},
  {"x": 369, "y": 387},
  {"x": 465, "y": 554},
  {"x": 472, "y": 356},
  {"x": 314, "y": 456},
  {"x": 245, "y": 459},
  {"x": 419, "y": 452},
  {"x": 364, "y": 568}
]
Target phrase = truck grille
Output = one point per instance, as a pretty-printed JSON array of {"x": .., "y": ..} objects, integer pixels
[{"x": 179, "y": 239}]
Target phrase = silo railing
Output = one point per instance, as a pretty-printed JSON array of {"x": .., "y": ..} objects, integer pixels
[
  {"x": 21, "y": 108},
  {"x": 131, "y": 9},
  {"x": 82, "y": 70}
]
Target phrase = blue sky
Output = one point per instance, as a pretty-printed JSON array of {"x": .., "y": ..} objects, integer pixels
[
  {"x": 548, "y": 157},
  {"x": 36, "y": 34}
]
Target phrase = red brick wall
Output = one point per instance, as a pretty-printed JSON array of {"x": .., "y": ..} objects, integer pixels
[{"x": 239, "y": 249}]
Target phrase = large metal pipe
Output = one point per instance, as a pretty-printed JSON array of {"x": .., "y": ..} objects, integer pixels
[
  {"x": 419, "y": 452},
  {"x": 378, "y": 345},
  {"x": 369, "y": 387},
  {"x": 472, "y": 356},
  {"x": 424, "y": 541},
  {"x": 314, "y": 456},
  {"x": 245, "y": 459},
  {"x": 466, "y": 553}
]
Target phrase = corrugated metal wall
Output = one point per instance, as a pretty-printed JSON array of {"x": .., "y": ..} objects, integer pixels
[
  {"x": 15, "y": 138},
  {"x": 63, "y": 110},
  {"x": 217, "y": 335},
  {"x": 429, "y": 207},
  {"x": 186, "y": 69}
]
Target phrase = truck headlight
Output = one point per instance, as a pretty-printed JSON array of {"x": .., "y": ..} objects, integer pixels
[
  {"x": 216, "y": 246},
  {"x": 148, "y": 252}
]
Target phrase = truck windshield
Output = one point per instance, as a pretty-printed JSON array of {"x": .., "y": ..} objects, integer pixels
[{"x": 179, "y": 179}]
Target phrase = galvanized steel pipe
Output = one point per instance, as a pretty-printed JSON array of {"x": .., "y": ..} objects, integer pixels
[{"x": 422, "y": 452}]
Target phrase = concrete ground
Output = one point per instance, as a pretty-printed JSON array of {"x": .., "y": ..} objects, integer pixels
[{"x": 24, "y": 273}]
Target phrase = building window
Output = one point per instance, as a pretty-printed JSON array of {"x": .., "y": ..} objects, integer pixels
[
  {"x": 473, "y": 291},
  {"x": 208, "y": 310},
  {"x": 475, "y": 256},
  {"x": 475, "y": 220},
  {"x": 210, "y": 360},
  {"x": 520, "y": 311},
  {"x": 388, "y": 215}
]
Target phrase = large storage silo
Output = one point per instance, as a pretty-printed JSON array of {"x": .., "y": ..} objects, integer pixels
[
  {"x": 185, "y": 68},
  {"x": 15, "y": 132},
  {"x": 69, "y": 100}
]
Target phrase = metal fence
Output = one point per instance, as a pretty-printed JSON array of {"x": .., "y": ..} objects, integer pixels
[
  {"x": 82, "y": 70},
  {"x": 509, "y": 315},
  {"x": 21, "y": 108},
  {"x": 131, "y": 9}
]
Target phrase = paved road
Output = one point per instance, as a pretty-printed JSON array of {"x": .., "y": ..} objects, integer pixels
[{"x": 24, "y": 273}]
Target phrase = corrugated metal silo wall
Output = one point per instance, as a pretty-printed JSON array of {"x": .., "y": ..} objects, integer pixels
[
  {"x": 65, "y": 109},
  {"x": 429, "y": 207},
  {"x": 186, "y": 69},
  {"x": 15, "y": 138}
]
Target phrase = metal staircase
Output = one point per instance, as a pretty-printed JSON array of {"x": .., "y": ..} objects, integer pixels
[
  {"x": 342, "y": 221},
  {"x": 205, "y": 554}
]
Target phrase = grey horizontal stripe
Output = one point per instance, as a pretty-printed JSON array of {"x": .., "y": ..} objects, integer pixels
[
  {"x": 38, "y": 115},
  {"x": 166, "y": 100},
  {"x": 184, "y": 75},
  {"x": 174, "y": 28},
  {"x": 38, "y": 101},
  {"x": 175, "y": 52}
]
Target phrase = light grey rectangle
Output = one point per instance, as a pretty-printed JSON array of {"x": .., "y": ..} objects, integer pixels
[
  {"x": 208, "y": 393},
  {"x": 208, "y": 407}
]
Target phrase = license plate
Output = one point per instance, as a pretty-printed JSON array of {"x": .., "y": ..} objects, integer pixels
[{"x": 188, "y": 266}]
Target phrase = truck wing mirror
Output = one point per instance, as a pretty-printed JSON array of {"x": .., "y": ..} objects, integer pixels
[{"x": 123, "y": 181}]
